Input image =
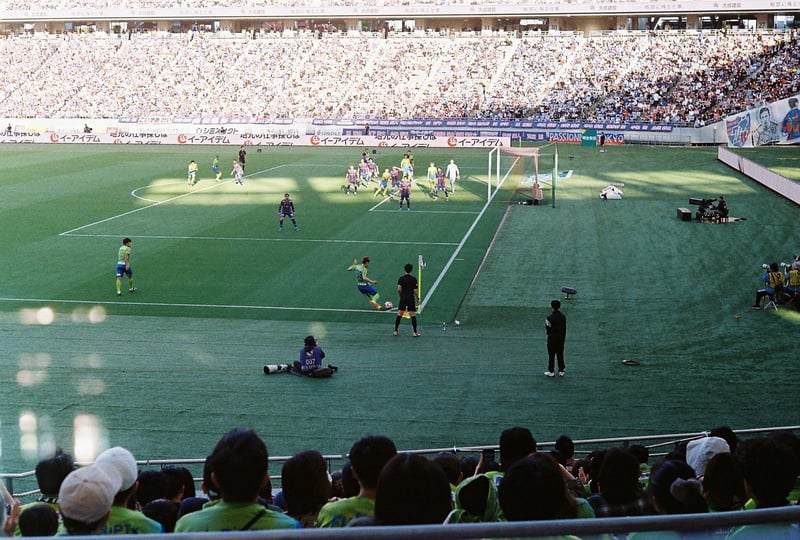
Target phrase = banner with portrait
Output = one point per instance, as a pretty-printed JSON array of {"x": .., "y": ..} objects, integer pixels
[{"x": 774, "y": 123}]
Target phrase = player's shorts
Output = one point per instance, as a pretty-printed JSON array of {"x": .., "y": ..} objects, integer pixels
[
  {"x": 121, "y": 270},
  {"x": 407, "y": 304},
  {"x": 192, "y": 175},
  {"x": 367, "y": 289},
  {"x": 215, "y": 169},
  {"x": 290, "y": 215}
]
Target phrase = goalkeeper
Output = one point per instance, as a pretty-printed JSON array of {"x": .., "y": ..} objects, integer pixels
[
  {"x": 453, "y": 174},
  {"x": 365, "y": 283}
]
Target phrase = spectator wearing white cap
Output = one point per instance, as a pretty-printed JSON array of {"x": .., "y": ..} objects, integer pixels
[
  {"x": 86, "y": 496},
  {"x": 700, "y": 451},
  {"x": 123, "y": 520}
]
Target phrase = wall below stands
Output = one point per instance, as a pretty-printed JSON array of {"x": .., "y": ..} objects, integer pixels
[
  {"x": 767, "y": 178},
  {"x": 420, "y": 133}
]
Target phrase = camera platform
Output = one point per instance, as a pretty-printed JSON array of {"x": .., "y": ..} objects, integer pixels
[{"x": 569, "y": 292}]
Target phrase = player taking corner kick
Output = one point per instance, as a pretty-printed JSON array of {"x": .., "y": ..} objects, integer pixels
[{"x": 364, "y": 283}]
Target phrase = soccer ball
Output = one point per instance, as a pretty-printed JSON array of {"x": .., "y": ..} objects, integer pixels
[{"x": 388, "y": 305}]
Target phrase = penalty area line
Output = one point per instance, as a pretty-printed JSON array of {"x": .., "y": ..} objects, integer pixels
[
  {"x": 158, "y": 203},
  {"x": 189, "y": 305},
  {"x": 253, "y": 239}
]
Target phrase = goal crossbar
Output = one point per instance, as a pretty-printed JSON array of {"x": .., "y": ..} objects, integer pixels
[{"x": 509, "y": 160}]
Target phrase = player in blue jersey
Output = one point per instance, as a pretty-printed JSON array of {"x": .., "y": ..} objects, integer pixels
[
  {"x": 441, "y": 185},
  {"x": 395, "y": 180},
  {"x": 365, "y": 283},
  {"x": 286, "y": 209},
  {"x": 405, "y": 193},
  {"x": 374, "y": 170},
  {"x": 351, "y": 179},
  {"x": 363, "y": 172}
]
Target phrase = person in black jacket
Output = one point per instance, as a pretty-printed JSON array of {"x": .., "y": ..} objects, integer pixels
[{"x": 556, "y": 327}]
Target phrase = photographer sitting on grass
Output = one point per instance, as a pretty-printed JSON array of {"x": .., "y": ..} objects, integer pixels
[{"x": 310, "y": 363}]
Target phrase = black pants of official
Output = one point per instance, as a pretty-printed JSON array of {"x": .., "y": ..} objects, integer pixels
[{"x": 555, "y": 350}]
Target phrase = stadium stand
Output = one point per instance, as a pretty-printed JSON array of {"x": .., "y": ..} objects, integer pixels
[
  {"x": 684, "y": 79},
  {"x": 688, "y": 78},
  {"x": 769, "y": 460}
]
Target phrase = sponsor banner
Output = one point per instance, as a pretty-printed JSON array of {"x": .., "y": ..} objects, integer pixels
[
  {"x": 451, "y": 125},
  {"x": 426, "y": 140},
  {"x": 289, "y": 138},
  {"x": 565, "y": 137},
  {"x": 534, "y": 136},
  {"x": 586, "y": 138},
  {"x": 589, "y": 137},
  {"x": 774, "y": 123}
]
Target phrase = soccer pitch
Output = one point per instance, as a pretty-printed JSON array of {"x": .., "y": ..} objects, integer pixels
[
  {"x": 222, "y": 292},
  {"x": 215, "y": 249}
]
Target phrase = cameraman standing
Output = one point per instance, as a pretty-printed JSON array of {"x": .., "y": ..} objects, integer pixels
[
  {"x": 773, "y": 279},
  {"x": 556, "y": 328}
]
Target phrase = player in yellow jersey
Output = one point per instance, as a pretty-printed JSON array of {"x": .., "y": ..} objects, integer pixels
[
  {"x": 191, "y": 173},
  {"x": 124, "y": 266}
]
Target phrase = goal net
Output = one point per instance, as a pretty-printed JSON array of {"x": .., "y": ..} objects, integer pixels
[{"x": 516, "y": 171}]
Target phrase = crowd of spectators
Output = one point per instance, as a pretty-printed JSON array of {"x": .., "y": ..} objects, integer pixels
[
  {"x": 679, "y": 78},
  {"x": 381, "y": 486},
  {"x": 25, "y": 5}
]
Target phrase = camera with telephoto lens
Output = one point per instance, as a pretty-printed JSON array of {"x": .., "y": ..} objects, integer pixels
[
  {"x": 765, "y": 266},
  {"x": 785, "y": 265},
  {"x": 702, "y": 203}
]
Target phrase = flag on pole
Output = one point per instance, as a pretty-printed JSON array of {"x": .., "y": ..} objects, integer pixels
[{"x": 420, "y": 266}]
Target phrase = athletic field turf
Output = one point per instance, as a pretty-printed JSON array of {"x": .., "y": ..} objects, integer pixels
[{"x": 167, "y": 370}]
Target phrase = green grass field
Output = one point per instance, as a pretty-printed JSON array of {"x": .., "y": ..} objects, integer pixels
[{"x": 167, "y": 370}]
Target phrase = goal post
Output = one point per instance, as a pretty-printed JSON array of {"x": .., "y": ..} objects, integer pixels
[{"x": 518, "y": 168}]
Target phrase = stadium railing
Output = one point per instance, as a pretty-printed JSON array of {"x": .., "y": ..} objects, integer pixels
[
  {"x": 694, "y": 526},
  {"x": 23, "y": 485}
]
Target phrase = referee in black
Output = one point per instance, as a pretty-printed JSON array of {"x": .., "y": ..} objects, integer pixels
[{"x": 408, "y": 289}]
